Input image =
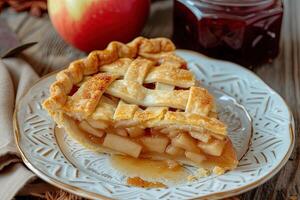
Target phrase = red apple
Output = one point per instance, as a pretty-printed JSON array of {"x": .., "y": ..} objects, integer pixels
[{"x": 92, "y": 24}]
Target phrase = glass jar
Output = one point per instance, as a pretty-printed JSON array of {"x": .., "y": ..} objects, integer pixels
[{"x": 243, "y": 31}]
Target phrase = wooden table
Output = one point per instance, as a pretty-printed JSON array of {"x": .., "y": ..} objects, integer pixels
[{"x": 283, "y": 75}]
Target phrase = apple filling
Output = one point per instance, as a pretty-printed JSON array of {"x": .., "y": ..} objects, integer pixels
[{"x": 139, "y": 142}]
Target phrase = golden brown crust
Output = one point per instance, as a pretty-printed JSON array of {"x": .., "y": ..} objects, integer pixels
[
  {"x": 134, "y": 62},
  {"x": 83, "y": 103},
  {"x": 200, "y": 101},
  {"x": 168, "y": 74},
  {"x": 139, "y": 94},
  {"x": 65, "y": 79}
]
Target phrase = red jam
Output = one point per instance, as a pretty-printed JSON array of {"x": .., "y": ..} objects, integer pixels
[{"x": 243, "y": 31}]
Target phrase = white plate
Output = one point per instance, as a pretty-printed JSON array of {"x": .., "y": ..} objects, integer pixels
[{"x": 59, "y": 160}]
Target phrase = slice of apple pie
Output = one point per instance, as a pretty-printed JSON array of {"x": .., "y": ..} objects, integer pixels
[{"x": 139, "y": 99}]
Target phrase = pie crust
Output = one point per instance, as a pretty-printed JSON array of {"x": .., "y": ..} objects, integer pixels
[{"x": 139, "y": 99}]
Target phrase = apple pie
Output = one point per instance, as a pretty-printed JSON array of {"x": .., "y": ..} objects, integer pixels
[{"x": 140, "y": 100}]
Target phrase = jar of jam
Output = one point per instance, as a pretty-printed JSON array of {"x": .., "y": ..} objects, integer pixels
[{"x": 243, "y": 31}]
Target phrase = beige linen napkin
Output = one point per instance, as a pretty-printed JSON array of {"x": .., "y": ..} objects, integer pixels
[{"x": 16, "y": 76}]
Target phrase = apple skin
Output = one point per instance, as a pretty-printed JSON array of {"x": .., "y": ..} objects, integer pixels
[{"x": 92, "y": 24}]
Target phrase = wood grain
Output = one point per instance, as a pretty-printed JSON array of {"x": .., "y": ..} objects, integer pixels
[{"x": 283, "y": 75}]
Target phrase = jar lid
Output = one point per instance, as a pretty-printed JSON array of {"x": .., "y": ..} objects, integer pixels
[
  {"x": 237, "y": 7},
  {"x": 239, "y": 3}
]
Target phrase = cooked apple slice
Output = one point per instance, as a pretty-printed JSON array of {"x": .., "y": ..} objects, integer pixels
[
  {"x": 173, "y": 134},
  {"x": 164, "y": 130},
  {"x": 219, "y": 137},
  {"x": 122, "y": 144},
  {"x": 135, "y": 131},
  {"x": 172, "y": 164},
  {"x": 121, "y": 132},
  {"x": 174, "y": 151},
  {"x": 200, "y": 136},
  {"x": 195, "y": 157},
  {"x": 155, "y": 144},
  {"x": 87, "y": 127},
  {"x": 99, "y": 124},
  {"x": 118, "y": 131},
  {"x": 184, "y": 141},
  {"x": 214, "y": 148}
]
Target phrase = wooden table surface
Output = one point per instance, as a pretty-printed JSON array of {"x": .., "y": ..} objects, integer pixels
[{"x": 283, "y": 75}]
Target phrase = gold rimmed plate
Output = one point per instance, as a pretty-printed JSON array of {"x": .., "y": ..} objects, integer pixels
[{"x": 260, "y": 125}]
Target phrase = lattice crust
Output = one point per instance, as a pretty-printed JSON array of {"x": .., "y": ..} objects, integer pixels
[
  {"x": 129, "y": 88},
  {"x": 155, "y": 49},
  {"x": 160, "y": 50}
]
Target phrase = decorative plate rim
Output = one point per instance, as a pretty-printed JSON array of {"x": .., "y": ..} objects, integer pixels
[{"x": 217, "y": 195}]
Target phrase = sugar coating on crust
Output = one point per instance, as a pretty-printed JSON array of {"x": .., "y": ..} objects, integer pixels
[{"x": 122, "y": 70}]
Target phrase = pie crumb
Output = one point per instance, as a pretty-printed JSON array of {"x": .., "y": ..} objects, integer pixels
[
  {"x": 218, "y": 170},
  {"x": 138, "y": 182},
  {"x": 191, "y": 178},
  {"x": 201, "y": 172},
  {"x": 172, "y": 164}
]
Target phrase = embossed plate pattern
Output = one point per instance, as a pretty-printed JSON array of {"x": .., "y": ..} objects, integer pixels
[{"x": 69, "y": 166}]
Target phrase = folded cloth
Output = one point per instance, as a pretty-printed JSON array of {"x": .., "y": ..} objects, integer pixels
[{"x": 16, "y": 76}]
